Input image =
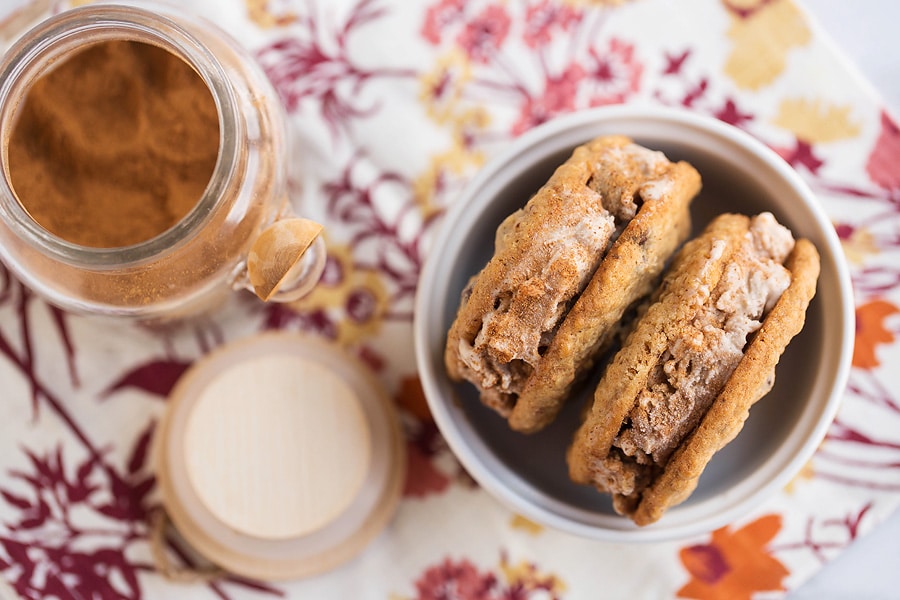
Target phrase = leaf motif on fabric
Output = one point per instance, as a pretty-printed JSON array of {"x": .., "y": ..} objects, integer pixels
[
  {"x": 816, "y": 121},
  {"x": 441, "y": 88},
  {"x": 572, "y": 66},
  {"x": 156, "y": 377},
  {"x": 383, "y": 255},
  {"x": 545, "y": 19},
  {"x": 423, "y": 478},
  {"x": 14, "y": 500},
  {"x": 315, "y": 64},
  {"x": 138, "y": 457},
  {"x": 859, "y": 243},
  {"x": 463, "y": 579},
  {"x": 525, "y": 524},
  {"x": 614, "y": 73},
  {"x": 447, "y": 168},
  {"x": 456, "y": 579},
  {"x": 806, "y": 473},
  {"x": 825, "y": 534},
  {"x": 801, "y": 154},
  {"x": 439, "y": 17},
  {"x": 762, "y": 41},
  {"x": 51, "y": 521},
  {"x": 872, "y": 331},
  {"x": 731, "y": 114},
  {"x": 529, "y": 578},
  {"x": 484, "y": 34},
  {"x": 882, "y": 165},
  {"x": 735, "y": 563}
]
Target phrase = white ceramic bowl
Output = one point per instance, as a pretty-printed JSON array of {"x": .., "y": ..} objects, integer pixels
[{"x": 528, "y": 473}]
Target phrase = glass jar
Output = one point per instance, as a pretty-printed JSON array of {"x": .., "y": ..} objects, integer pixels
[{"x": 190, "y": 266}]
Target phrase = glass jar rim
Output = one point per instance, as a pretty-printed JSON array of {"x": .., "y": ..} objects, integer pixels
[{"x": 62, "y": 35}]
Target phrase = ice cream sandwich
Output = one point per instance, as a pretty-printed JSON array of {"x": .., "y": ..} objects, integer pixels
[
  {"x": 702, "y": 354},
  {"x": 566, "y": 267}
]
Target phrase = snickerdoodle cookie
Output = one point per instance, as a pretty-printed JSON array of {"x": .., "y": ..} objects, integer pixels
[
  {"x": 566, "y": 267},
  {"x": 704, "y": 352}
]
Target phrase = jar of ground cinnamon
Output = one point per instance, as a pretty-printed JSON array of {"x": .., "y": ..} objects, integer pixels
[{"x": 143, "y": 162}]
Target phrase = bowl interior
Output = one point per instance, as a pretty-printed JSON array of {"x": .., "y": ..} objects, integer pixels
[{"x": 529, "y": 471}]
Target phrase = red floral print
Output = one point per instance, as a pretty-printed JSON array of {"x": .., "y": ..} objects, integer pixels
[
  {"x": 441, "y": 15},
  {"x": 483, "y": 35},
  {"x": 558, "y": 97},
  {"x": 883, "y": 162},
  {"x": 615, "y": 74},
  {"x": 316, "y": 66},
  {"x": 825, "y": 536},
  {"x": 462, "y": 580},
  {"x": 543, "y": 18},
  {"x": 731, "y": 114},
  {"x": 802, "y": 154},
  {"x": 451, "y": 580},
  {"x": 423, "y": 478}
]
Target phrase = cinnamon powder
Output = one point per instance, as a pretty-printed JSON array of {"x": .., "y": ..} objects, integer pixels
[{"x": 115, "y": 145}]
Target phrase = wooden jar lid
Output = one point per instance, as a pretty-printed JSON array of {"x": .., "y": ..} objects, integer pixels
[{"x": 279, "y": 457}]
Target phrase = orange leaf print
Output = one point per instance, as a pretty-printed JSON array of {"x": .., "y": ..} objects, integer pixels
[
  {"x": 411, "y": 396},
  {"x": 870, "y": 331},
  {"x": 735, "y": 564}
]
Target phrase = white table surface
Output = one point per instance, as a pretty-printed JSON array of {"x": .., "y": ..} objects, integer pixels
[{"x": 868, "y": 33}]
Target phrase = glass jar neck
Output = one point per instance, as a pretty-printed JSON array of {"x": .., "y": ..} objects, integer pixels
[{"x": 58, "y": 38}]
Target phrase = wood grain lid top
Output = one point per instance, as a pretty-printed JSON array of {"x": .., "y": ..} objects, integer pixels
[
  {"x": 277, "y": 446},
  {"x": 279, "y": 457}
]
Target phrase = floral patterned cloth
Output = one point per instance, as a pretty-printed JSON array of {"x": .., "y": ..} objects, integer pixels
[{"x": 393, "y": 107}]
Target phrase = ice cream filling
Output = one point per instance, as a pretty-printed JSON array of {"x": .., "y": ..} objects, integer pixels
[
  {"x": 532, "y": 300},
  {"x": 691, "y": 372}
]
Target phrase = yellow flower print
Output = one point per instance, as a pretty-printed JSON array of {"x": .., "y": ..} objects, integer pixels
[
  {"x": 526, "y": 525},
  {"x": 525, "y": 576},
  {"x": 807, "y": 472},
  {"x": 858, "y": 243},
  {"x": 261, "y": 13},
  {"x": 816, "y": 122},
  {"x": 441, "y": 89},
  {"x": 359, "y": 296},
  {"x": 762, "y": 35},
  {"x": 453, "y": 163}
]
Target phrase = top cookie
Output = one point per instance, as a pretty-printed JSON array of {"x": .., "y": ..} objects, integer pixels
[{"x": 607, "y": 220}]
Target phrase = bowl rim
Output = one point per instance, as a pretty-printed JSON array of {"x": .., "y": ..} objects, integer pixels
[{"x": 440, "y": 407}]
